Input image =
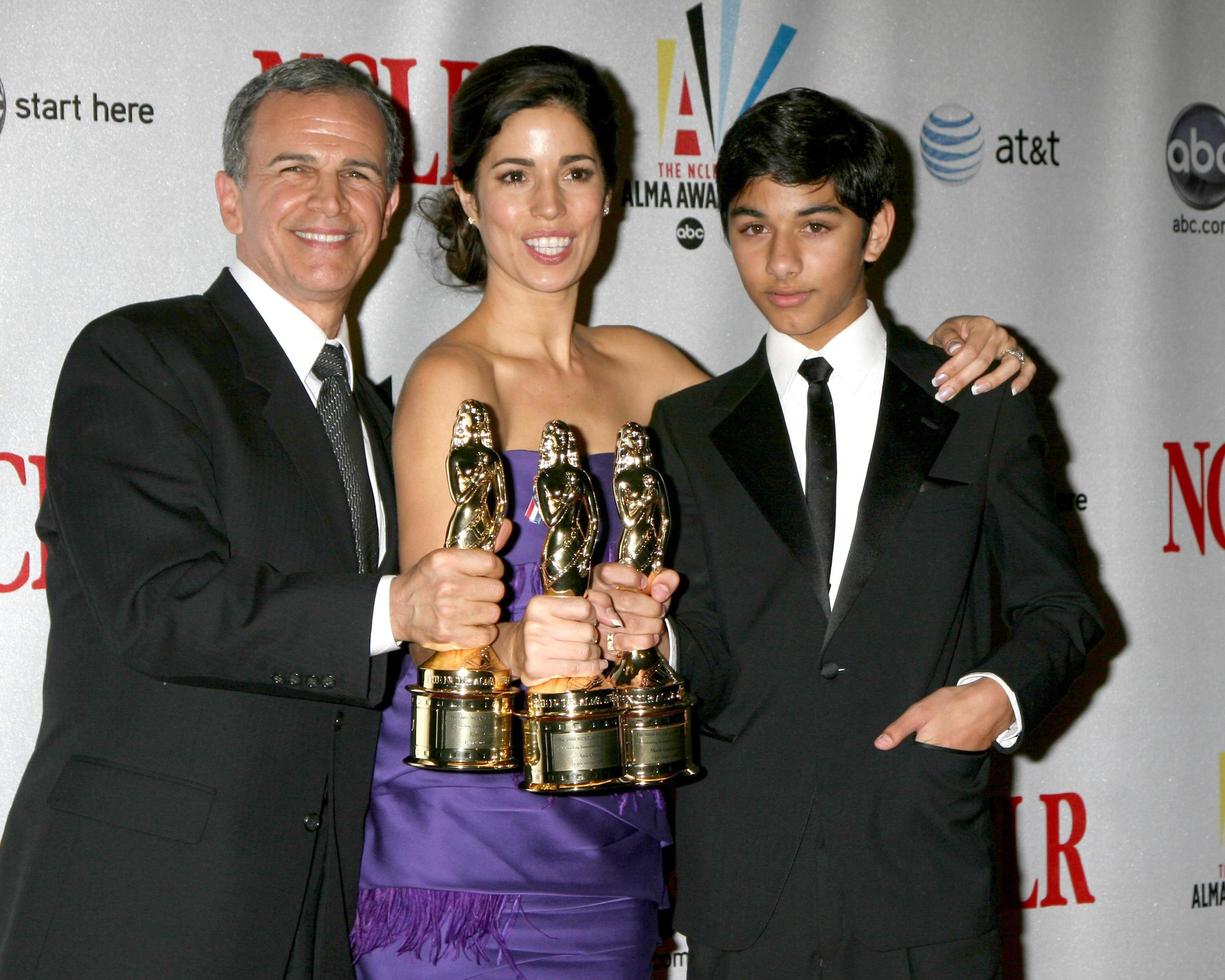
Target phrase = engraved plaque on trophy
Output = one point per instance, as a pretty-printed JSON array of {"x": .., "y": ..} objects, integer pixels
[
  {"x": 571, "y": 728},
  {"x": 463, "y": 700},
  {"x": 656, "y": 711}
]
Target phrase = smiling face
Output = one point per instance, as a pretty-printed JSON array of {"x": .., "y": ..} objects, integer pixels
[
  {"x": 801, "y": 255},
  {"x": 538, "y": 200},
  {"x": 315, "y": 204}
]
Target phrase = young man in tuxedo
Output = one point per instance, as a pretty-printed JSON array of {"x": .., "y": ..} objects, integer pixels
[
  {"x": 838, "y": 527},
  {"x": 222, "y": 584}
]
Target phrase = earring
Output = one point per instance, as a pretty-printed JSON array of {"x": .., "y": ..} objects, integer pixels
[
  {"x": 471, "y": 220},
  {"x": 606, "y": 210}
]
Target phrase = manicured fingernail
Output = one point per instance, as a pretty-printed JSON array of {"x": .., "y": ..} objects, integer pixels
[
  {"x": 615, "y": 620},
  {"x": 944, "y": 394},
  {"x": 883, "y": 742},
  {"x": 1014, "y": 389},
  {"x": 939, "y": 379},
  {"x": 977, "y": 389},
  {"x": 954, "y": 347}
]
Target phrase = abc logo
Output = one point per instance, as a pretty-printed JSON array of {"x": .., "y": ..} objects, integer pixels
[
  {"x": 1195, "y": 155},
  {"x": 690, "y": 233}
]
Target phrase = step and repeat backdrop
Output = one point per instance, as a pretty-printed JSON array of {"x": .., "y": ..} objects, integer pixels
[{"x": 1083, "y": 210}]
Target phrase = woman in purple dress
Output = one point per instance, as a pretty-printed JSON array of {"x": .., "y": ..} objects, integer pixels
[{"x": 465, "y": 874}]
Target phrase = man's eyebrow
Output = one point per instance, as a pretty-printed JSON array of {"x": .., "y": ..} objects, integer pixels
[
  {"x": 801, "y": 213},
  {"x": 293, "y": 158},
  {"x": 360, "y": 162},
  {"x": 363, "y": 163},
  {"x": 819, "y": 209}
]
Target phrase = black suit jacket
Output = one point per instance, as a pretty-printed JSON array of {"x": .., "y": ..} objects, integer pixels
[
  {"x": 208, "y": 688},
  {"x": 792, "y": 700}
]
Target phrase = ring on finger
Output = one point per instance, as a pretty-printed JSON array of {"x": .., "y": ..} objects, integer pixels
[
  {"x": 1014, "y": 352},
  {"x": 610, "y": 641}
]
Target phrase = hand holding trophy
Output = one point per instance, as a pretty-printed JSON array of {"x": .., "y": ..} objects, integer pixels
[
  {"x": 571, "y": 737},
  {"x": 656, "y": 731},
  {"x": 462, "y": 705}
]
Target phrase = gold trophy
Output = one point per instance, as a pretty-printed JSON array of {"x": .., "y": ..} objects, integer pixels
[
  {"x": 462, "y": 702},
  {"x": 571, "y": 729},
  {"x": 656, "y": 712}
]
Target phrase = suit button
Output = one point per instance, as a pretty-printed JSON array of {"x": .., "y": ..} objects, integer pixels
[
  {"x": 295, "y": 678},
  {"x": 831, "y": 670},
  {"x": 312, "y": 680},
  {"x": 339, "y": 721},
  {"x": 311, "y": 822},
  {"x": 329, "y": 680},
  {"x": 278, "y": 678}
]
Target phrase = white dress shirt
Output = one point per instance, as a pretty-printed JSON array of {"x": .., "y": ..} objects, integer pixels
[
  {"x": 857, "y": 356},
  {"x": 301, "y": 339}
]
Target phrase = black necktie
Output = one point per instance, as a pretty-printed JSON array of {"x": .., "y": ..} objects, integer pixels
[
  {"x": 821, "y": 479},
  {"x": 344, "y": 428}
]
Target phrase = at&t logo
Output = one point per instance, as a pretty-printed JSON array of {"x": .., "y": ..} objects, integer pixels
[
  {"x": 1195, "y": 156},
  {"x": 951, "y": 143},
  {"x": 3, "y": 106}
]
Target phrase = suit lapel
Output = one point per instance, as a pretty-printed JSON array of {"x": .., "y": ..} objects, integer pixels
[
  {"x": 288, "y": 411},
  {"x": 911, "y": 429},
  {"x": 752, "y": 439}
]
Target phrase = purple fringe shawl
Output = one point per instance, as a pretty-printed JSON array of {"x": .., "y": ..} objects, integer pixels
[{"x": 430, "y": 923}]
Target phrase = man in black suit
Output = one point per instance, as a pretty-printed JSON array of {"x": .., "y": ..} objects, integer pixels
[
  {"x": 220, "y": 521},
  {"x": 838, "y": 527}
]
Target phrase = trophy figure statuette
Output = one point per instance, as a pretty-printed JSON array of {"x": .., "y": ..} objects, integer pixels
[
  {"x": 656, "y": 712},
  {"x": 463, "y": 700},
  {"x": 571, "y": 728}
]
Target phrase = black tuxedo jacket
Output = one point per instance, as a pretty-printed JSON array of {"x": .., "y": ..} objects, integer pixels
[
  {"x": 208, "y": 687},
  {"x": 792, "y": 699}
]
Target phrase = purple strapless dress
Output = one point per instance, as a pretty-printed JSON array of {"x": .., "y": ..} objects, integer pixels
[{"x": 465, "y": 874}]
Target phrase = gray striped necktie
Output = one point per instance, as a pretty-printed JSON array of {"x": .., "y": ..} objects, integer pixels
[{"x": 338, "y": 411}]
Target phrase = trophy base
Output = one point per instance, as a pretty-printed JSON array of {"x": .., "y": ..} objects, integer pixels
[
  {"x": 657, "y": 745},
  {"x": 656, "y": 720},
  {"x": 572, "y": 740},
  {"x": 463, "y": 714}
]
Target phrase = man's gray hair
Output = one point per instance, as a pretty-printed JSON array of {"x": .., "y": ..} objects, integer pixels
[{"x": 304, "y": 75}]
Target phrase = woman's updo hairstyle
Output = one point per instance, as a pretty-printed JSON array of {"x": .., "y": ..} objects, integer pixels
[{"x": 524, "y": 78}]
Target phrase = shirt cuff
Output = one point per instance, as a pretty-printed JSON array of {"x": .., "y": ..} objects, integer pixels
[
  {"x": 1007, "y": 738},
  {"x": 674, "y": 650},
  {"x": 382, "y": 640}
]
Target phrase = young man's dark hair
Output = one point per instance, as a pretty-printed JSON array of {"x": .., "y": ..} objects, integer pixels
[{"x": 802, "y": 136}]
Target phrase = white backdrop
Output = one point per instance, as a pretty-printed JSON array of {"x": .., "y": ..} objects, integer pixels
[{"x": 1070, "y": 230}]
